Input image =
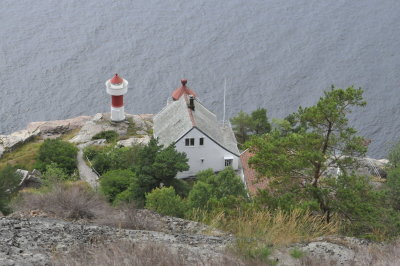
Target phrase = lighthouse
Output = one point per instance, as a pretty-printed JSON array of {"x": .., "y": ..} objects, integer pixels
[{"x": 117, "y": 87}]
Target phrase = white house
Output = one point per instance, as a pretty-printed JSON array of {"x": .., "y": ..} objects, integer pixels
[{"x": 196, "y": 131}]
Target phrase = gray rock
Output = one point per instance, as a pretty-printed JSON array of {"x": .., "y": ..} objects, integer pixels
[
  {"x": 45, "y": 129},
  {"x": 30, "y": 179},
  {"x": 1, "y": 150},
  {"x": 102, "y": 122},
  {"x": 339, "y": 251},
  {"x": 34, "y": 241},
  {"x": 134, "y": 141}
]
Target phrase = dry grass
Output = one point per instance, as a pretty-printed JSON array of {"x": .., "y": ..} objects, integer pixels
[
  {"x": 76, "y": 200},
  {"x": 67, "y": 201},
  {"x": 70, "y": 134},
  {"x": 273, "y": 228},
  {"x": 144, "y": 254},
  {"x": 257, "y": 232},
  {"x": 24, "y": 156},
  {"x": 121, "y": 253}
]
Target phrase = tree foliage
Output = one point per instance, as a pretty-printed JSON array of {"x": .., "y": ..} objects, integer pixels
[
  {"x": 115, "y": 182},
  {"x": 321, "y": 138},
  {"x": 61, "y": 153},
  {"x": 394, "y": 155},
  {"x": 165, "y": 201},
  {"x": 9, "y": 180},
  {"x": 153, "y": 165},
  {"x": 212, "y": 189},
  {"x": 245, "y": 125}
]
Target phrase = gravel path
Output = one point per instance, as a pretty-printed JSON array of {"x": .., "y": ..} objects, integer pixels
[{"x": 85, "y": 172}]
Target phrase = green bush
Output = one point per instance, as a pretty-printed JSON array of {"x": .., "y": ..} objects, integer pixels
[
  {"x": 91, "y": 152},
  {"x": 115, "y": 182},
  {"x": 109, "y": 135},
  {"x": 61, "y": 153},
  {"x": 165, "y": 201},
  {"x": 212, "y": 190},
  {"x": 9, "y": 181},
  {"x": 110, "y": 158},
  {"x": 54, "y": 173}
]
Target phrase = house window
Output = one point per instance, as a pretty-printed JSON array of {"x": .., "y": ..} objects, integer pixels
[
  {"x": 228, "y": 162},
  {"x": 201, "y": 141},
  {"x": 189, "y": 142}
]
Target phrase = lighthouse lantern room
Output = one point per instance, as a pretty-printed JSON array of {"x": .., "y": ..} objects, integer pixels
[{"x": 117, "y": 87}]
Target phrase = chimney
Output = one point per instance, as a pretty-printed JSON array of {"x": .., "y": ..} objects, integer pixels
[{"x": 191, "y": 102}]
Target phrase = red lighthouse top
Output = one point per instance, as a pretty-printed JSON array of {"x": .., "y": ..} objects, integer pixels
[
  {"x": 182, "y": 90},
  {"x": 116, "y": 80}
]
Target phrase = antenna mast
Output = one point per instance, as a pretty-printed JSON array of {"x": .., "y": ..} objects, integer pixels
[{"x": 223, "y": 119}]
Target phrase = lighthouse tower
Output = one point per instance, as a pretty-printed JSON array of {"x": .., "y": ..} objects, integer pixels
[{"x": 117, "y": 87}]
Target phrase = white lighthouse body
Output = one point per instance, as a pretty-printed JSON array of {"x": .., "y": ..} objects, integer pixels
[{"x": 117, "y": 87}]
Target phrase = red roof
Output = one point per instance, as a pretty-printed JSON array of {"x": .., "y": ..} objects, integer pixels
[
  {"x": 116, "y": 79},
  {"x": 253, "y": 181},
  {"x": 182, "y": 90}
]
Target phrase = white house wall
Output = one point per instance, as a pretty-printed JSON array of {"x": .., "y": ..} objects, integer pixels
[{"x": 211, "y": 153}]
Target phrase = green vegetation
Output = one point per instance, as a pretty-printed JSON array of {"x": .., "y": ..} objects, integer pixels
[
  {"x": 301, "y": 202},
  {"x": 23, "y": 156},
  {"x": 165, "y": 201},
  {"x": 152, "y": 164},
  {"x": 106, "y": 158},
  {"x": 9, "y": 181},
  {"x": 212, "y": 191},
  {"x": 61, "y": 153},
  {"x": 54, "y": 174},
  {"x": 114, "y": 182},
  {"x": 296, "y": 253},
  {"x": 109, "y": 136},
  {"x": 245, "y": 125},
  {"x": 324, "y": 140}
]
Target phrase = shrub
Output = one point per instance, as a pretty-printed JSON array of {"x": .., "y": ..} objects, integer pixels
[
  {"x": 70, "y": 201},
  {"x": 92, "y": 151},
  {"x": 110, "y": 158},
  {"x": 9, "y": 180},
  {"x": 55, "y": 151},
  {"x": 109, "y": 135},
  {"x": 114, "y": 182},
  {"x": 219, "y": 188},
  {"x": 165, "y": 201},
  {"x": 54, "y": 173}
]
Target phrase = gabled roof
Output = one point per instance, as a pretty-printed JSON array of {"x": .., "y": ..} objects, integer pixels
[{"x": 176, "y": 119}]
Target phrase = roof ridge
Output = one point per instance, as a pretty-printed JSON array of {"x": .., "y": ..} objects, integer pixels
[{"x": 189, "y": 110}]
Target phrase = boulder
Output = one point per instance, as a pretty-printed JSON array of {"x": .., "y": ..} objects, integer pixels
[{"x": 30, "y": 179}]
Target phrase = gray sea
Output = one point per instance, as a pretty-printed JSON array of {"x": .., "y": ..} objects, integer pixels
[{"x": 55, "y": 56}]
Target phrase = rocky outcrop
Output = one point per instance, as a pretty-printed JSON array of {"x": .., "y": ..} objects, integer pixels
[
  {"x": 101, "y": 122},
  {"x": 338, "y": 251},
  {"x": 30, "y": 179},
  {"x": 33, "y": 241},
  {"x": 134, "y": 141},
  {"x": 44, "y": 129}
]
